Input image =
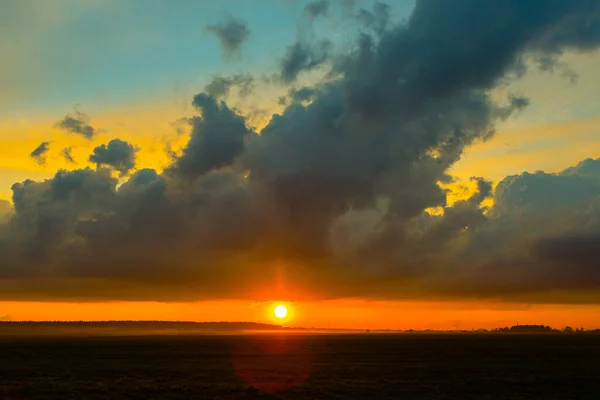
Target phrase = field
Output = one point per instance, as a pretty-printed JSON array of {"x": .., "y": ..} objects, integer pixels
[{"x": 294, "y": 366}]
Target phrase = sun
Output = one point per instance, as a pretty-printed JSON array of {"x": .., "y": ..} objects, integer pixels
[{"x": 281, "y": 311}]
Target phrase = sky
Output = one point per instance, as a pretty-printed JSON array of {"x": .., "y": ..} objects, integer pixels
[{"x": 417, "y": 164}]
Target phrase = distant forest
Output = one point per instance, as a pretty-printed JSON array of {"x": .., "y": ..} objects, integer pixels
[
  {"x": 130, "y": 327},
  {"x": 515, "y": 329}
]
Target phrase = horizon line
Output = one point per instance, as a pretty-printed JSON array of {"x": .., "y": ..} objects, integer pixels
[{"x": 282, "y": 326}]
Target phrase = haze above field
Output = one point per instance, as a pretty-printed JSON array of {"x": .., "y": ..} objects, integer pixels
[
  {"x": 425, "y": 164},
  {"x": 112, "y": 328}
]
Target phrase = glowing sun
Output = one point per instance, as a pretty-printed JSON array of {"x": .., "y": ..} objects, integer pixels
[{"x": 281, "y": 311}]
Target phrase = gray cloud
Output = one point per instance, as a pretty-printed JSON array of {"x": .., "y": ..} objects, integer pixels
[
  {"x": 588, "y": 168},
  {"x": 302, "y": 94},
  {"x": 317, "y": 8},
  {"x": 40, "y": 152},
  {"x": 220, "y": 86},
  {"x": 431, "y": 56},
  {"x": 377, "y": 19},
  {"x": 580, "y": 250},
  {"x": 536, "y": 237},
  {"x": 117, "y": 154},
  {"x": 77, "y": 123},
  {"x": 66, "y": 154},
  {"x": 5, "y": 209},
  {"x": 335, "y": 190},
  {"x": 307, "y": 53},
  {"x": 301, "y": 57},
  {"x": 232, "y": 33}
]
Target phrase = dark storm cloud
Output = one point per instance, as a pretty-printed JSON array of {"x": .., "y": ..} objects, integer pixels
[
  {"x": 581, "y": 250},
  {"x": 77, "y": 123},
  {"x": 39, "y": 154},
  {"x": 66, "y": 154},
  {"x": 220, "y": 86},
  {"x": 454, "y": 46},
  {"x": 539, "y": 236},
  {"x": 544, "y": 193},
  {"x": 117, "y": 154},
  {"x": 232, "y": 33},
  {"x": 217, "y": 138},
  {"x": 339, "y": 188},
  {"x": 46, "y": 214}
]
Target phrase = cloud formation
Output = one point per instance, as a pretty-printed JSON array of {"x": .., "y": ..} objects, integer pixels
[
  {"x": 376, "y": 19},
  {"x": 302, "y": 56},
  {"x": 117, "y": 154},
  {"x": 220, "y": 86},
  {"x": 337, "y": 189},
  {"x": 77, "y": 123},
  {"x": 40, "y": 152},
  {"x": 217, "y": 138},
  {"x": 5, "y": 210},
  {"x": 317, "y": 8},
  {"x": 306, "y": 53},
  {"x": 232, "y": 33},
  {"x": 541, "y": 233},
  {"x": 66, "y": 154}
]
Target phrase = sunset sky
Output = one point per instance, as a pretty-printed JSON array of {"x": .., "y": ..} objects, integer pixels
[{"x": 422, "y": 164}]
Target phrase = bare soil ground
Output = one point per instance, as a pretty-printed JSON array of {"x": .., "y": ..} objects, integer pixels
[{"x": 295, "y": 366}]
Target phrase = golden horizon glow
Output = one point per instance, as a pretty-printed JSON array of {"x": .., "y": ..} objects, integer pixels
[{"x": 341, "y": 313}]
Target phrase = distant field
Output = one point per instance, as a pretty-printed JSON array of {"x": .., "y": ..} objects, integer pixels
[{"x": 280, "y": 366}]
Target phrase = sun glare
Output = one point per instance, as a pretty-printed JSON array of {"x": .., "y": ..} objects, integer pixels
[{"x": 280, "y": 311}]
